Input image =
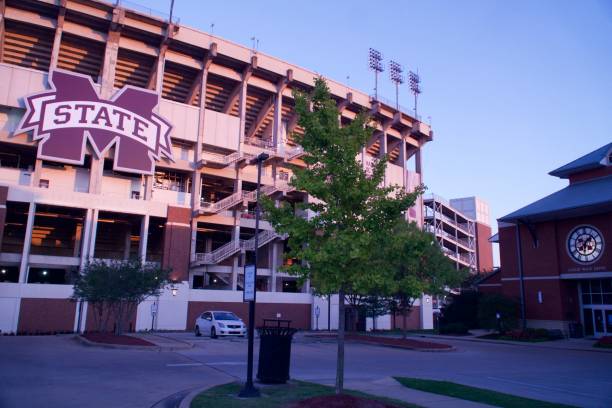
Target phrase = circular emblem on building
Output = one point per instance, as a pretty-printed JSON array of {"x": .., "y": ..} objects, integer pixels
[{"x": 585, "y": 244}]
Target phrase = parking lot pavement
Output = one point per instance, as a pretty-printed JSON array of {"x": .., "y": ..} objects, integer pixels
[
  {"x": 579, "y": 378},
  {"x": 56, "y": 371}
]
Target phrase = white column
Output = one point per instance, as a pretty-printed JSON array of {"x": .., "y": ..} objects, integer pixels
[
  {"x": 85, "y": 236},
  {"x": 274, "y": 264},
  {"x": 92, "y": 234},
  {"x": 426, "y": 312},
  {"x": 27, "y": 243},
  {"x": 144, "y": 238}
]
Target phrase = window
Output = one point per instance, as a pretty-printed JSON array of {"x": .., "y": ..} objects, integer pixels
[
  {"x": 596, "y": 292},
  {"x": 171, "y": 180},
  {"x": 9, "y": 273}
]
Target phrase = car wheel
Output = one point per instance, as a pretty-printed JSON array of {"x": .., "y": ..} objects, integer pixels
[
  {"x": 213, "y": 333},
  {"x": 197, "y": 331}
]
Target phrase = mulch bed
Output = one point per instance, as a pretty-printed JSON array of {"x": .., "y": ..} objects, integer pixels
[
  {"x": 402, "y": 343},
  {"x": 340, "y": 401},
  {"x": 389, "y": 341},
  {"x": 109, "y": 338}
]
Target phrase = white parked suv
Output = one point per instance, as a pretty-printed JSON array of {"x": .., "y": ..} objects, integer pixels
[{"x": 219, "y": 323}]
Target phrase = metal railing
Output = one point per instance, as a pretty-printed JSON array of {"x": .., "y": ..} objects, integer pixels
[
  {"x": 224, "y": 160},
  {"x": 229, "y": 249},
  {"x": 223, "y": 204},
  {"x": 218, "y": 254},
  {"x": 264, "y": 190},
  {"x": 294, "y": 152}
]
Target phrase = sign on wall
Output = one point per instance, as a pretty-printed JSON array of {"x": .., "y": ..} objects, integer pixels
[{"x": 72, "y": 113}]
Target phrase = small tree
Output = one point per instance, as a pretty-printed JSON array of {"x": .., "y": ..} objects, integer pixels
[
  {"x": 419, "y": 267},
  {"x": 114, "y": 289},
  {"x": 352, "y": 212}
]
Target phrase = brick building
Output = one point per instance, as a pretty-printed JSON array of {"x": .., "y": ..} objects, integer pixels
[{"x": 561, "y": 269}]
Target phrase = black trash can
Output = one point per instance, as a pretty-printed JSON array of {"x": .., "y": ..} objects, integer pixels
[{"x": 274, "y": 351}]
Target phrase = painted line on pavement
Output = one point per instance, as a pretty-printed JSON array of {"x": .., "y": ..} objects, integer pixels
[
  {"x": 184, "y": 365},
  {"x": 227, "y": 363}
]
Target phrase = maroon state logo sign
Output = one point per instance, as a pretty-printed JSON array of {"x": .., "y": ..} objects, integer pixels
[{"x": 68, "y": 115}]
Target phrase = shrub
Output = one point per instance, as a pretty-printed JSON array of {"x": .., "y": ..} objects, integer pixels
[
  {"x": 454, "y": 328},
  {"x": 491, "y": 304},
  {"x": 604, "y": 342},
  {"x": 462, "y": 308}
]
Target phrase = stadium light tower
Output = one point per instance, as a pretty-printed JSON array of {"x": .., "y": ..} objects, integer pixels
[
  {"x": 376, "y": 65},
  {"x": 395, "y": 73},
  {"x": 414, "y": 81}
]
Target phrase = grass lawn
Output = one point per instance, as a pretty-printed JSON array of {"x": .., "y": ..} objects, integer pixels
[
  {"x": 224, "y": 396},
  {"x": 475, "y": 394}
]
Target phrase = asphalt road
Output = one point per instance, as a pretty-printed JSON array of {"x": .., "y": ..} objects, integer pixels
[{"x": 59, "y": 372}]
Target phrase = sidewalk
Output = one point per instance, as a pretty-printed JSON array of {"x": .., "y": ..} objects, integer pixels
[
  {"x": 388, "y": 387},
  {"x": 566, "y": 344}
]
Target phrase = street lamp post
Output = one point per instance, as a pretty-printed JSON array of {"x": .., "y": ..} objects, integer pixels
[{"x": 249, "y": 390}]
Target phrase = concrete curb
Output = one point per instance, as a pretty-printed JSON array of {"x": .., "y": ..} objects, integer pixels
[
  {"x": 188, "y": 399},
  {"x": 158, "y": 349},
  {"x": 514, "y": 343}
]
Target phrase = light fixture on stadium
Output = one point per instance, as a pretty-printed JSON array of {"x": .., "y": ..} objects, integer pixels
[
  {"x": 414, "y": 81},
  {"x": 376, "y": 65},
  {"x": 396, "y": 75}
]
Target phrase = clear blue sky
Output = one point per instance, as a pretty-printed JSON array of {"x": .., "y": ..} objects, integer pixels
[{"x": 514, "y": 88}]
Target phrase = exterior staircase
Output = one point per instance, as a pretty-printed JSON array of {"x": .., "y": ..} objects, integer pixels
[
  {"x": 224, "y": 204},
  {"x": 219, "y": 254},
  {"x": 219, "y": 161},
  {"x": 294, "y": 152},
  {"x": 264, "y": 190},
  {"x": 232, "y": 247}
]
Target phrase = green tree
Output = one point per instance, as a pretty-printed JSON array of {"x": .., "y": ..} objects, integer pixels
[
  {"x": 114, "y": 289},
  {"x": 419, "y": 266},
  {"x": 350, "y": 211}
]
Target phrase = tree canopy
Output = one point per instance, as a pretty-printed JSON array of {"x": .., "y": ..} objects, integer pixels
[
  {"x": 115, "y": 288},
  {"x": 349, "y": 210}
]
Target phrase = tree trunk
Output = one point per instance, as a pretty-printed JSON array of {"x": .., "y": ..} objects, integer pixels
[
  {"x": 405, "y": 323},
  {"x": 119, "y": 319},
  {"x": 340, "y": 356}
]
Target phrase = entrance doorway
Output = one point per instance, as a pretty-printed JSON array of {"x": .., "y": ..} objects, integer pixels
[{"x": 597, "y": 307}]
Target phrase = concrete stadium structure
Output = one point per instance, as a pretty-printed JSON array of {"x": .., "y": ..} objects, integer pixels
[{"x": 217, "y": 104}]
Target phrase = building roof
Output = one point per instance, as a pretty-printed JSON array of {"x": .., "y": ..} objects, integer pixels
[
  {"x": 593, "y": 160},
  {"x": 587, "y": 197}
]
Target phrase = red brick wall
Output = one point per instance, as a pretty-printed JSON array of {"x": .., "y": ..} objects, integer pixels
[
  {"x": 177, "y": 243},
  {"x": 484, "y": 248},
  {"x": 299, "y": 314},
  {"x": 549, "y": 260},
  {"x": 413, "y": 320},
  {"x": 46, "y": 315},
  {"x": 92, "y": 321}
]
